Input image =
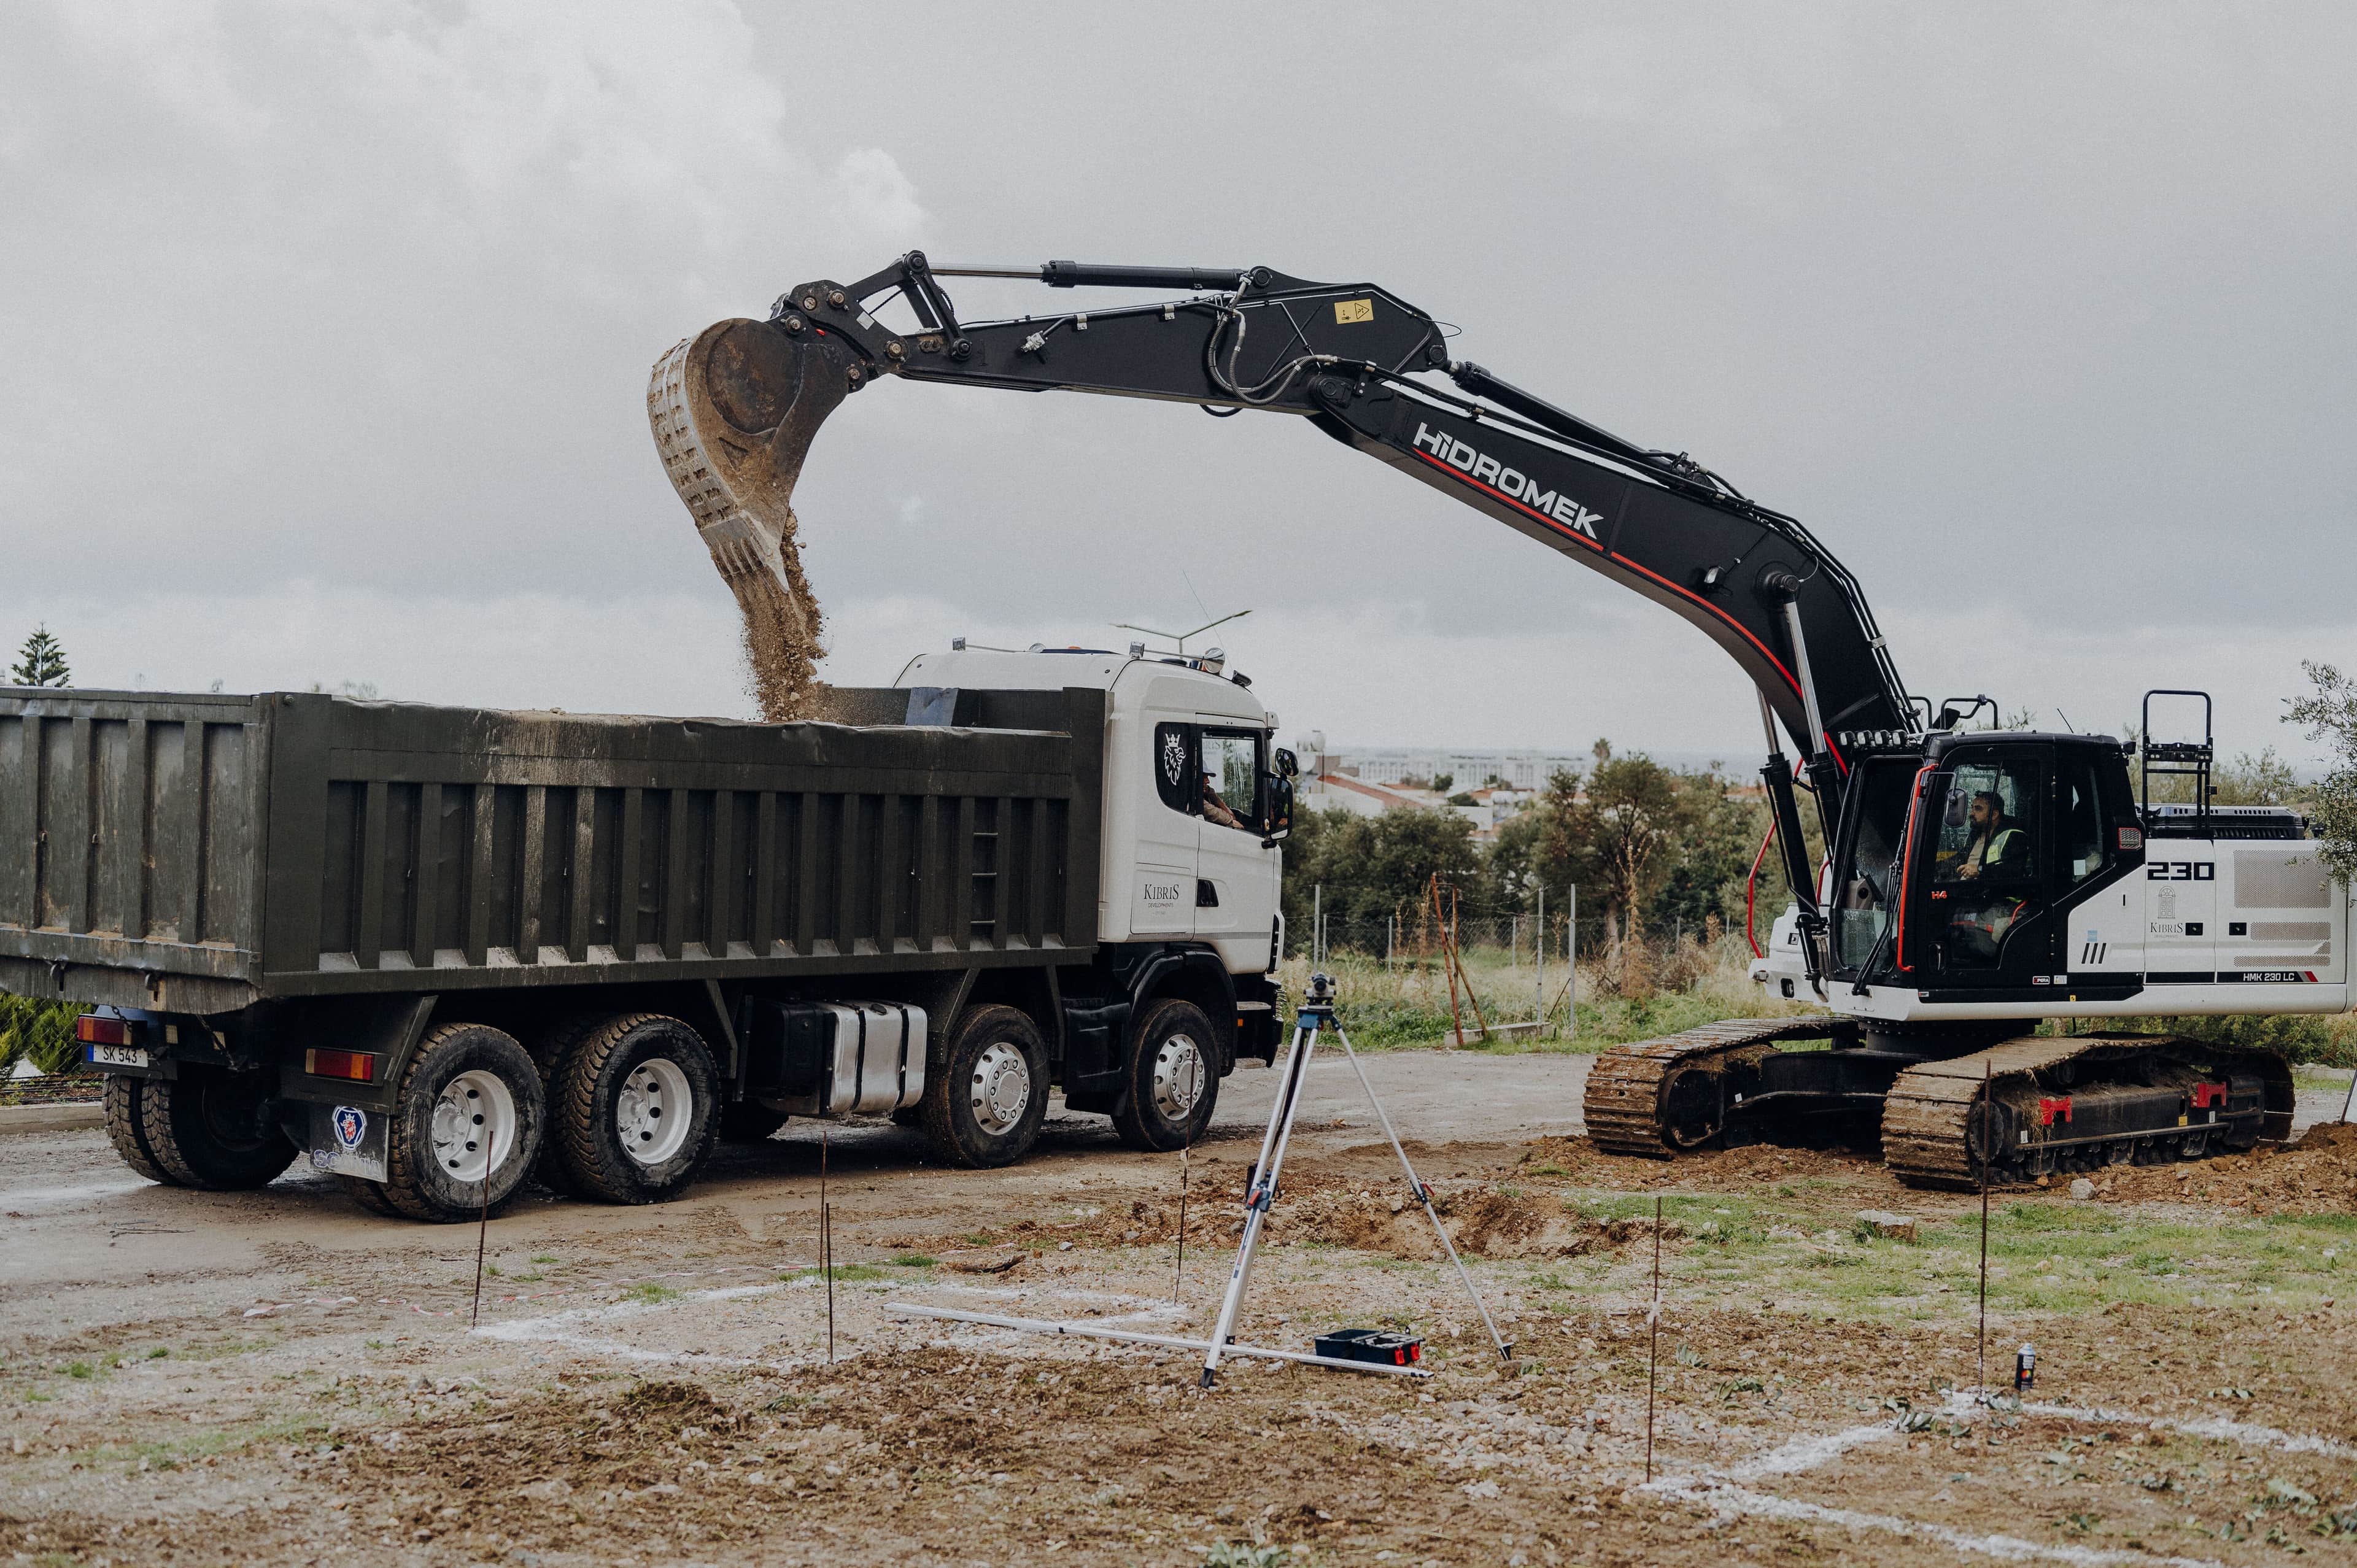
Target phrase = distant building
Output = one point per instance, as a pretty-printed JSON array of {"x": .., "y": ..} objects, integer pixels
[{"x": 1464, "y": 770}]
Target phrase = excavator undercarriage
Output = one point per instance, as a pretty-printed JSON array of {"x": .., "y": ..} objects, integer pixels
[{"x": 1949, "y": 1110}]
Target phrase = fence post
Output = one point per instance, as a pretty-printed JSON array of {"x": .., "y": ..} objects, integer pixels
[
  {"x": 1514, "y": 941},
  {"x": 1391, "y": 937},
  {"x": 1538, "y": 958},
  {"x": 1317, "y": 925},
  {"x": 1571, "y": 967}
]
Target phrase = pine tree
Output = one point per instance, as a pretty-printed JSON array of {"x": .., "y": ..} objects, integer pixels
[{"x": 41, "y": 662}]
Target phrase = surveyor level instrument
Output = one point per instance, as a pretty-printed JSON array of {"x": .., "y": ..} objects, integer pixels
[{"x": 1316, "y": 1017}]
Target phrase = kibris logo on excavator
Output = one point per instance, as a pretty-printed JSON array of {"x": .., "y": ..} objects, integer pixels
[{"x": 1508, "y": 481}]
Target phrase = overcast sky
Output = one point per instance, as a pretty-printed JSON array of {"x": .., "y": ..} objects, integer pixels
[{"x": 328, "y": 328}]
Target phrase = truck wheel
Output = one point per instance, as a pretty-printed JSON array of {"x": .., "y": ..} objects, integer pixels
[
  {"x": 985, "y": 1107},
  {"x": 122, "y": 1129},
  {"x": 636, "y": 1109},
  {"x": 201, "y": 1128},
  {"x": 551, "y": 1050},
  {"x": 369, "y": 1195},
  {"x": 749, "y": 1122},
  {"x": 1174, "y": 1079},
  {"x": 467, "y": 1112}
]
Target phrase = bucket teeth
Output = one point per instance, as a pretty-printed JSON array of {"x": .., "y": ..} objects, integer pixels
[{"x": 734, "y": 411}]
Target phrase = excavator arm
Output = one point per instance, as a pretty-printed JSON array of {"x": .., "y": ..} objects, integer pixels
[{"x": 735, "y": 409}]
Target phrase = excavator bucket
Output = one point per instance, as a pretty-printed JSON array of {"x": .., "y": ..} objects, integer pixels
[{"x": 733, "y": 412}]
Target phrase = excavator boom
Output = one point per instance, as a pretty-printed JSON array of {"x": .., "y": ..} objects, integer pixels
[{"x": 737, "y": 409}]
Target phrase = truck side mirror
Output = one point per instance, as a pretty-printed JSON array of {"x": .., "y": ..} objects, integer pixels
[
  {"x": 1287, "y": 764},
  {"x": 1280, "y": 809}
]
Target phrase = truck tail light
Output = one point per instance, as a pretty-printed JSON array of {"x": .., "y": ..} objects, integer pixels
[
  {"x": 358, "y": 1065},
  {"x": 91, "y": 1029}
]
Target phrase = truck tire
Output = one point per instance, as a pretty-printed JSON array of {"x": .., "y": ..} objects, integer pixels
[
  {"x": 1173, "y": 1077},
  {"x": 203, "y": 1129},
  {"x": 551, "y": 1050},
  {"x": 749, "y": 1122},
  {"x": 469, "y": 1109},
  {"x": 122, "y": 1129},
  {"x": 369, "y": 1195},
  {"x": 636, "y": 1109},
  {"x": 985, "y": 1106}
]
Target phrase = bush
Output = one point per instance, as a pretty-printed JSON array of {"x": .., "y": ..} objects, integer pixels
[{"x": 39, "y": 1031}]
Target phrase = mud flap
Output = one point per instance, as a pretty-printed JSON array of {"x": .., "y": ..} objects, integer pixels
[{"x": 348, "y": 1141}]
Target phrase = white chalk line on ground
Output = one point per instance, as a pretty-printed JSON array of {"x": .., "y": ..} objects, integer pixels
[
  {"x": 2212, "y": 1426},
  {"x": 1732, "y": 1499},
  {"x": 567, "y": 1329},
  {"x": 1803, "y": 1453}
]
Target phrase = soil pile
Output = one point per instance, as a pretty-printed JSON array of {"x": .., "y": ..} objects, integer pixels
[
  {"x": 2318, "y": 1174},
  {"x": 733, "y": 412}
]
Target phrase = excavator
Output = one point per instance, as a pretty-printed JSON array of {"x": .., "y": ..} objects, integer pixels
[{"x": 1976, "y": 881}]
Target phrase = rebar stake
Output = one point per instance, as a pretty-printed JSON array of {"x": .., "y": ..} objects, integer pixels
[
  {"x": 1180, "y": 1273},
  {"x": 483, "y": 1234},
  {"x": 1981, "y": 1345},
  {"x": 826, "y": 1243},
  {"x": 1653, "y": 1352}
]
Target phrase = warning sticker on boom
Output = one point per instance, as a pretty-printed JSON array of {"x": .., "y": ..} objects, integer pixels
[{"x": 1346, "y": 311}]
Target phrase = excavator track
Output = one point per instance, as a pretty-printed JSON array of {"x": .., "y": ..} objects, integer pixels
[
  {"x": 2078, "y": 1103},
  {"x": 1658, "y": 1099}
]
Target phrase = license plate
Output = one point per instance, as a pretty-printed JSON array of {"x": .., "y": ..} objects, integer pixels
[{"x": 117, "y": 1055}]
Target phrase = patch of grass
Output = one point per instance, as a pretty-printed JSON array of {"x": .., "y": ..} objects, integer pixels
[
  {"x": 81, "y": 1370},
  {"x": 159, "y": 1352},
  {"x": 547, "y": 1258},
  {"x": 171, "y": 1452},
  {"x": 913, "y": 1261},
  {"x": 376, "y": 1343},
  {"x": 649, "y": 1291},
  {"x": 977, "y": 1238},
  {"x": 38, "y": 1396},
  {"x": 530, "y": 1278},
  {"x": 841, "y": 1272}
]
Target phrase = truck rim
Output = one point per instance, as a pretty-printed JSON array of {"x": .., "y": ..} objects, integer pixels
[
  {"x": 1178, "y": 1077},
  {"x": 652, "y": 1111},
  {"x": 475, "y": 1115},
  {"x": 1001, "y": 1088}
]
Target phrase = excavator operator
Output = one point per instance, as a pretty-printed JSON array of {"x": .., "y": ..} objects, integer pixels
[{"x": 1997, "y": 848}]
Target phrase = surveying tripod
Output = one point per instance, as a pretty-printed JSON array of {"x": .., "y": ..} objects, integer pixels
[{"x": 1315, "y": 1017}]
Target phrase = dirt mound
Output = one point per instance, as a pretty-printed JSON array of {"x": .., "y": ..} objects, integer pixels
[
  {"x": 1579, "y": 1161},
  {"x": 2318, "y": 1174},
  {"x": 1485, "y": 1218}
]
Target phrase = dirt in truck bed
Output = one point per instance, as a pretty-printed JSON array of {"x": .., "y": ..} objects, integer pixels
[{"x": 277, "y": 1378}]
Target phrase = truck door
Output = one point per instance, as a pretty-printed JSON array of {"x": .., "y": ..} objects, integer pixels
[
  {"x": 1236, "y": 879},
  {"x": 1988, "y": 922},
  {"x": 1162, "y": 881}
]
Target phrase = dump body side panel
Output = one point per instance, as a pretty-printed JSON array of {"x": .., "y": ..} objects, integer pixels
[
  {"x": 337, "y": 847},
  {"x": 128, "y": 830}
]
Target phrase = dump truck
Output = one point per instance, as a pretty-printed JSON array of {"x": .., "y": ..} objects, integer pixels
[{"x": 437, "y": 950}]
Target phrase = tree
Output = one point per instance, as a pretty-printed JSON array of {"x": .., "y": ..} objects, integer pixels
[
  {"x": 2328, "y": 714},
  {"x": 1372, "y": 868},
  {"x": 41, "y": 662}
]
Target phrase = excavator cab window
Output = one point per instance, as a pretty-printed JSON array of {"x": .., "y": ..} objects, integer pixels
[
  {"x": 1987, "y": 876},
  {"x": 1867, "y": 893}
]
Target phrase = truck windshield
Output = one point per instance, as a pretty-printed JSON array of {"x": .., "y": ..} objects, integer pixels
[{"x": 1869, "y": 877}]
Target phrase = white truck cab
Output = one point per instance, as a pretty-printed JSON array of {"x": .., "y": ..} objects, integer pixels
[{"x": 1192, "y": 791}]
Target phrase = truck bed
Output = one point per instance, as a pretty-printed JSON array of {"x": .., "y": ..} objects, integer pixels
[{"x": 199, "y": 853}]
